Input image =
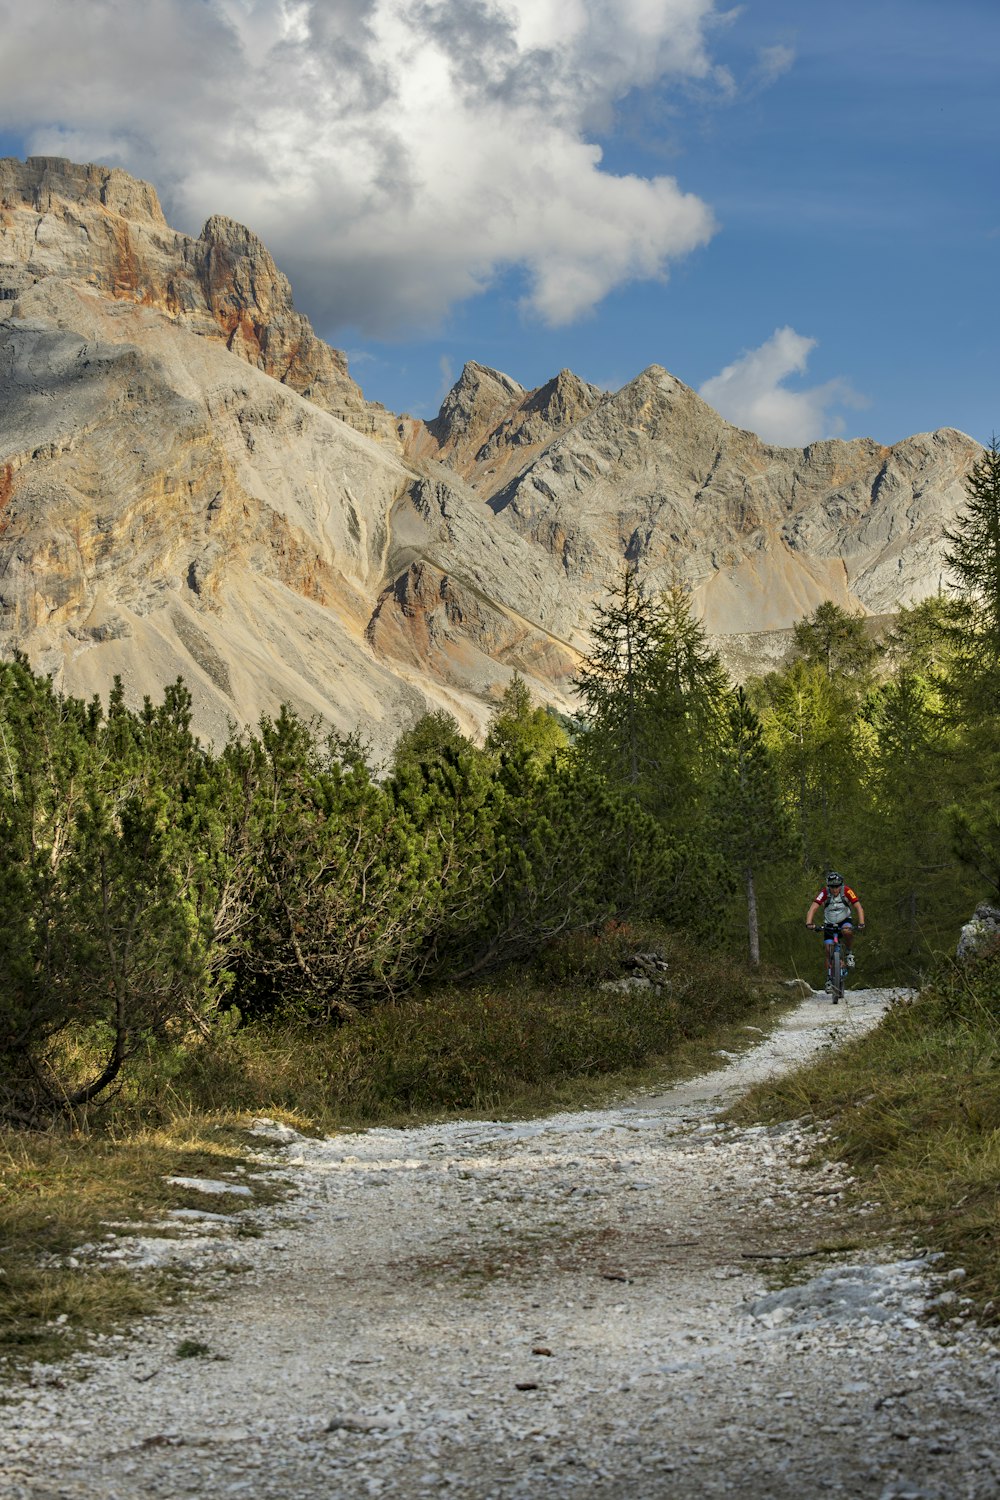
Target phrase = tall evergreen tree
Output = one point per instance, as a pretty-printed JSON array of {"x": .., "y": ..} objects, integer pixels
[
  {"x": 754, "y": 828},
  {"x": 517, "y": 727},
  {"x": 836, "y": 641},
  {"x": 972, "y": 691},
  {"x": 809, "y": 723},
  {"x": 908, "y": 857},
  {"x": 974, "y": 549},
  {"x": 654, "y": 693},
  {"x": 619, "y": 679}
]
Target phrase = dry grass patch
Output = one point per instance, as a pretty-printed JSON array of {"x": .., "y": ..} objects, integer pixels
[
  {"x": 914, "y": 1110},
  {"x": 62, "y": 1189}
]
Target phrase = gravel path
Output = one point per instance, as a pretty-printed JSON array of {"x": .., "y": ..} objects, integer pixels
[{"x": 578, "y": 1306}]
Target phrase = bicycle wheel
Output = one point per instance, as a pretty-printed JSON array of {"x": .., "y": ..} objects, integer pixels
[{"x": 837, "y": 974}]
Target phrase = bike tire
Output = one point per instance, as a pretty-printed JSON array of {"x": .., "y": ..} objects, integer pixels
[{"x": 837, "y": 974}]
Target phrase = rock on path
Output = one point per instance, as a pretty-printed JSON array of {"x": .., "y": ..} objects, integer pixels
[{"x": 577, "y": 1306}]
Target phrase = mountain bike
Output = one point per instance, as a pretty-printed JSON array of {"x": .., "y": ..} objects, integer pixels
[{"x": 836, "y": 966}]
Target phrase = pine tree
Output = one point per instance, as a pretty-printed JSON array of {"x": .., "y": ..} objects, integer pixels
[
  {"x": 619, "y": 679},
  {"x": 836, "y": 641},
  {"x": 429, "y": 741},
  {"x": 688, "y": 707},
  {"x": 654, "y": 694},
  {"x": 809, "y": 723},
  {"x": 518, "y": 728},
  {"x": 753, "y": 825},
  {"x": 972, "y": 691},
  {"x": 909, "y": 858},
  {"x": 974, "y": 549}
]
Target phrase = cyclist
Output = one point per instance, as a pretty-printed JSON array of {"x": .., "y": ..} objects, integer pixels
[{"x": 837, "y": 899}]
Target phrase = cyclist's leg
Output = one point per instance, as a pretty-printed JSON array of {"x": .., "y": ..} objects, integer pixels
[{"x": 847, "y": 942}]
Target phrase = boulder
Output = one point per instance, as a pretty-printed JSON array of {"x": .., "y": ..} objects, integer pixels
[{"x": 981, "y": 931}]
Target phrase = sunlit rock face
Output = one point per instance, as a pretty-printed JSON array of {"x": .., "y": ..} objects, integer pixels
[
  {"x": 191, "y": 484},
  {"x": 760, "y": 534}
]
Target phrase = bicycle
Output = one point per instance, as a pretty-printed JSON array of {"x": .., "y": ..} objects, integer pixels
[{"x": 835, "y": 966}]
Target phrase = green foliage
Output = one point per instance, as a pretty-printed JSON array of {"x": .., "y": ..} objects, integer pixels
[
  {"x": 618, "y": 684},
  {"x": 655, "y": 703},
  {"x": 836, "y": 641},
  {"x": 518, "y": 728},
  {"x": 812, "y": 728},
  {"x": 909, "y": 860},
  {"x": 751, "y": 821},
  {"x": 159, "y": 891},
  {"x": 432, "y": 739},
  {"x": 974, "y": 554},
  {"x": 522, "y": 1038},
  {"x": 924, "y": 637},
  {"x": 110, "y": 856}
]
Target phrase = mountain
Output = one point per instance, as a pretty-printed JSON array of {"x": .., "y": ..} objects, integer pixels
[{"x": 192, "y": 484}]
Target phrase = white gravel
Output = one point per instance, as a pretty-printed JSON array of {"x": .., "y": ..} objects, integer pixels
[{"x": 577, "y": 1306}]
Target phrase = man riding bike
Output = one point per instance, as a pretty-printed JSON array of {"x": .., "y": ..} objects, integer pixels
[{"x": 836, "y": 899}]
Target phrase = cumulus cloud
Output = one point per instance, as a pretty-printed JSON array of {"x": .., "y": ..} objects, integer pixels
[
  {"x": 397, "y": 155},
  {"x": 751, "y": 393}
]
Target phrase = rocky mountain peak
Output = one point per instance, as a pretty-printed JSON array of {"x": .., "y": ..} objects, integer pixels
[
  {"x": 562, "y": 401},
  {"x": 489, "y": 426},
  {"x": 99, "y": 228},
  {"x": 44, "y": 182},
  {"x": 474, "y": 406},
  {"x": 169, "y": 502}
]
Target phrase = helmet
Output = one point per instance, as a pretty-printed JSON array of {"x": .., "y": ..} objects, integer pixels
[{"x": 834, "y": 878}]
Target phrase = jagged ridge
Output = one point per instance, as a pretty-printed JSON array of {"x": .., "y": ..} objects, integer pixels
[{"x": 191, "y": 482}]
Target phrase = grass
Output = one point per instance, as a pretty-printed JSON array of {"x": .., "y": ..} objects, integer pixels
[
  {"x": 526, "y": 1043},
  {"x": 913, "y": 1108},
  {"x": 65, "y": 1188}
]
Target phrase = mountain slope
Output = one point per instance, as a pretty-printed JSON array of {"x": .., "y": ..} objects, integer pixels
[{"x": 191, "y": 483}]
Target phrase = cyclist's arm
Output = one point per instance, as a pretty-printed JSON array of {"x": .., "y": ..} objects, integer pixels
[
  {"x": 811, "y": 917},
  {"x": 860, "y": 912}
]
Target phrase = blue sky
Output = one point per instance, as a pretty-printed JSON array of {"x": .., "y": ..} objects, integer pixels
[{"x": 792, "y": 206}]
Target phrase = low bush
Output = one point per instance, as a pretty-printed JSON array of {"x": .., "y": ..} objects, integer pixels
[{"x": 518, "y": 1040}]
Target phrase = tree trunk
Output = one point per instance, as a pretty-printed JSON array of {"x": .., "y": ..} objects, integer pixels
[{"x": 753, "y": 931}]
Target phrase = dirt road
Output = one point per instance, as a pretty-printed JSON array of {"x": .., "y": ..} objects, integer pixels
[{"x": 586, "y": 1305}]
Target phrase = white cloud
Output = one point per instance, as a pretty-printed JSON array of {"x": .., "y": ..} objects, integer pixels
[
  {"x": 772, "y": 63},
  {"x": 751, "y": 393},
  {"x": 396, "y": 155}
]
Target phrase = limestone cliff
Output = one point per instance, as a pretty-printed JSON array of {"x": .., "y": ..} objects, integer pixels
[
  {"x": 98, "y": 227},
  {"x": 761, "y": 534}
]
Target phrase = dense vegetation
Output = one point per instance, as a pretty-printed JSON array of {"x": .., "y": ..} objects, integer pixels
[{"x": 162, "y": 896}]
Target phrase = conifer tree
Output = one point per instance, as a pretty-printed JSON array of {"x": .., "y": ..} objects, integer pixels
[
  {"x": 618, "y": 681},
  {"x": 654, "y": 694},
  {"x": 752, "y": 822},
  {"x": 518, "y": 728},
  {"x": 808, "y": 723},
  {"x": 908, "y": 858},
  {"x": 836, "y": 641},
  {"x": 972, "y": 691},
  {"x": 433, "y": 737},
  {"x": 974, "y": 549}
]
